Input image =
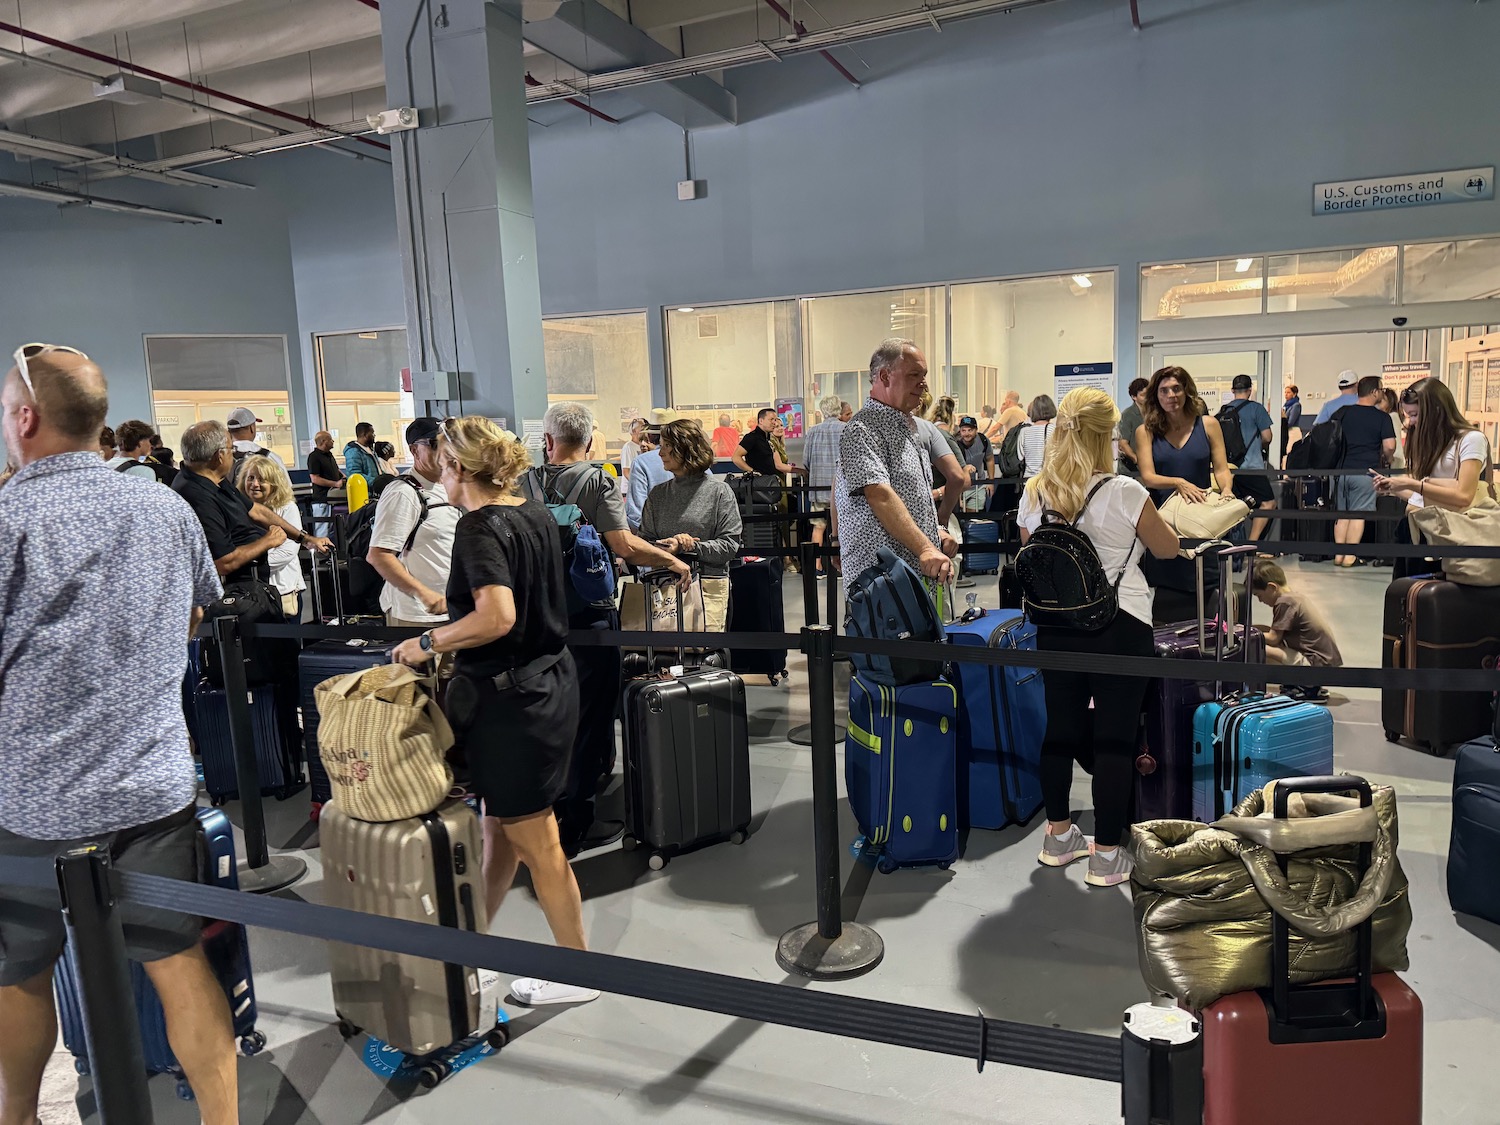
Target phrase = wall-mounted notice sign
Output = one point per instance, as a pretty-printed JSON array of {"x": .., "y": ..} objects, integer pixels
[
  {"x": 1070, "y": 376},
  {"x": 1399, "y": 376},
  {"x": 1418, "y": 189}
]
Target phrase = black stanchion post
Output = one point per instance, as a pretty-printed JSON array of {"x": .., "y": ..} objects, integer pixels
[
  {"x": 807, "y": 558},
  {"x": 110, "y": 1028},
  {"x": 260, "y": 872},
  {"x": 830, "y": 948}
]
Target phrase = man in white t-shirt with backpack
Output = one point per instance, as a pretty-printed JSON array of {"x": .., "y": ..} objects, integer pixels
[{"x": 411, "y": 542}]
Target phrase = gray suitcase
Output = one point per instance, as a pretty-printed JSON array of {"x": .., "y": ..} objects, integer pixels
[{"x": 423, "y": 869}]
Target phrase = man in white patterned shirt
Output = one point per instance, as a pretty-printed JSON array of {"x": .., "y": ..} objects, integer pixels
[
  {"x": 822, "y": 455},
  {"x": 93, "y": 744}
]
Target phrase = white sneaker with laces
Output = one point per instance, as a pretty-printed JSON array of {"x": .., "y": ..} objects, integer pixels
[{"x": 534, "y": 992}]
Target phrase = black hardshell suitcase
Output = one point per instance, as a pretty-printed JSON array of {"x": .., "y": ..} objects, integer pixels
[
  {"x": 1433, "y": 623},
  {"x": 755, "y": 606},
  {"x": 280, "y": 771},
  {"x": 687, "y": 761},
  {"x": 316, "y": 663}
]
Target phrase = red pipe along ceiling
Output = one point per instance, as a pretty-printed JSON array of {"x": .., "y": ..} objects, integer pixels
[
  {"x": 172, "y": 80},
  {"x": 801, "y": 29}
]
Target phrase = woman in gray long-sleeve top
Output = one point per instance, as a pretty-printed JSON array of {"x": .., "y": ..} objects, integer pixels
[{"x": 697, "y": 512}]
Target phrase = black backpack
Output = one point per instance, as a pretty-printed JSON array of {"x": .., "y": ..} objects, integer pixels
[
  {"x": 1228, "y": 417},
  {"x": 240, "y": 455},
  {"x": 1009, "y": 462},
  {"x": 1063, "y": 583},
  {"x": 355, "y": 531},
  {"x": 1326, "y": 445}
]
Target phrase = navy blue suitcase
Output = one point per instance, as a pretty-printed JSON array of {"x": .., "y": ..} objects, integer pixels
[
  {"x": 316, "y": 663},
  {"x": 228, "y": 954},
  {"x": 1474, "y": 848},
  {"x": 280, "y": 773},
  {"x": 982, "y": 562}
]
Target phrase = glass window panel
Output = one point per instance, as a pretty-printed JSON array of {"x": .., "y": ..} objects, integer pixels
[
  {"x": 1331, "y": 279},
  {"x": 1219, "y": 287},
  {"x": 359, "y": 375},
  {"x": 732, "y": 360},
  {"x": 198, "y": 378},
  {"x": 841, "y": 333},
  {"x": 603, "y": 362},
  {"x": 1466, "y": 270},
  {"x": 1009, "y": 335}
]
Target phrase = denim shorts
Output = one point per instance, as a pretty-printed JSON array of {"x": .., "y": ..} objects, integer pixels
[{"x": 1356, "y": 494}]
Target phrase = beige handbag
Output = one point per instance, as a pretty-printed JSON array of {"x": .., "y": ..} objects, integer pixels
[
  {"x": 383, "y": 741},
  {"x": 1477, "y": 526},
  {"x": 663, "y": 607},
  {"x": 1212, "y": 519}
]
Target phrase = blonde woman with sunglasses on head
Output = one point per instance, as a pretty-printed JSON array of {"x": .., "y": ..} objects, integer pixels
[
  {"x": 513, "y": 700},
  {"x": 265, "y": 482},
  {"x": 1116, "y": 514}
]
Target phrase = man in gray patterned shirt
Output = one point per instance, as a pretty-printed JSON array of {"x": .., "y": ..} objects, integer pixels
[
  {"x": 884, "y": 487},
  {"x": 93, "y": 744}
]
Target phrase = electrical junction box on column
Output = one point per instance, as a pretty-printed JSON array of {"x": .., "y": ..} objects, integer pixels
[
  {"x": 433, "y": 386},
  {"x": 691, "y": 189}
]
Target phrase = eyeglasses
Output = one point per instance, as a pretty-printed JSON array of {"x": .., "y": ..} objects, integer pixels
[{"x": 31, "y": 351}]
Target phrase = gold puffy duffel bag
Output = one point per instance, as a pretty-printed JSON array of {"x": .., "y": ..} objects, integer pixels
[
  {"x": 1204, "y": 893},
  {"x": 383, "y": 740}
]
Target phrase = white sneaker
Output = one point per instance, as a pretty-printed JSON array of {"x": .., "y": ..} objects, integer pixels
[{"x": 534, "y": 992}]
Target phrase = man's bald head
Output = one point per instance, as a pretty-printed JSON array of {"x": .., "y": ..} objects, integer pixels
[{"x": 71, "y": 394}]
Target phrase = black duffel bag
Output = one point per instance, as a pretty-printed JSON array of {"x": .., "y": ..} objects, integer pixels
[{"x": 254, "y": 602}]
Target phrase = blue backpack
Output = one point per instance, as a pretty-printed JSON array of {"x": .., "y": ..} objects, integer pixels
[
  {"x": 890, "y": 602},
  {"x": 586, "y": 559}
]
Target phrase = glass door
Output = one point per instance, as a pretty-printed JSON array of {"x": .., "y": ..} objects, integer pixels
[
  {"x": 1214, "y": 367},
  {"x": 1474, "y": 378}
]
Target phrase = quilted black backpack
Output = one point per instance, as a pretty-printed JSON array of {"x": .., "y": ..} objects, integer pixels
[{"x": 1062, "y": 581}]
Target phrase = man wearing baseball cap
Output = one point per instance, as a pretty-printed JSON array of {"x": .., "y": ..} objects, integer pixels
[
  {"x": 411, "y": 544},
  {"x": 1347, "y": 396},
  {"x": 241, "y": 427},
  {"x": 978, "y": 460}
]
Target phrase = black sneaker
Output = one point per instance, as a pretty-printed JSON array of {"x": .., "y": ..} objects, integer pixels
[{"x": 601, "y": 834}]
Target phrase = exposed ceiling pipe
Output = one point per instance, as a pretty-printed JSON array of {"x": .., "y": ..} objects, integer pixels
[
  {"x": 76, "y": 157},
  {"x": 801, "y": 29},
  {"x": 175, "y": 81},
  {"x": 925, "y": 17},
  {"x": 73, "y": 199},
  {"x": 580, "y": 103}
]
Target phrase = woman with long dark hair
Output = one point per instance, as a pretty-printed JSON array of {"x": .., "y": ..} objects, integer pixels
[{"x": 1180, "y": 449}]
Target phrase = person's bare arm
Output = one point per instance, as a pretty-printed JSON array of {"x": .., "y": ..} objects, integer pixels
[
  {"x": 494, "y": 616},
  {"x": 324, "y": 482},
  {"x": 954, "y": 479},
  {"x": 269, "y": 519},
  {"x": 632, "y": 548},
  {"x": 738, "y": 457},
  {"x": 1455, "y": 495},
  {"x": 1220, "y": 459},
  {"x": 1155, "y": 533},
  {"x": 897, "y": 521},
  {"x": 243, "y": 556},
  {"x": 1124, "y": 449},
  {"x": 195, "y": 619},
  {"x": 388, "y": 565}
]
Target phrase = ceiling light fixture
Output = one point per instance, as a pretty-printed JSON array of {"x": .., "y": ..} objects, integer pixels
[
  {"x": 1243, "y": 265},
  {"x": 1083, "y": 281},
  {"x": 686, "y": 310}
]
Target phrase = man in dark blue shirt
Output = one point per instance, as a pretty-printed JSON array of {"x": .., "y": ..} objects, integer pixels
[{"x": 1368, "y": 444}]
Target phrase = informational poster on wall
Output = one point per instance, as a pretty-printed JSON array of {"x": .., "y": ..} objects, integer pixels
[
  {"x": 1070, "y": 376},
  {"x": 531, "y": 434},
  {"x": 790, "y": 411},
  {"x": 1399, "y": 376}
]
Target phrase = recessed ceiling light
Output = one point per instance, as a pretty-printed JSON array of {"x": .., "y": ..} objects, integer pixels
[
  {"x": 1243, "y": 265},
  {"x": 1082, "y": 281},
  {"x": 688, "y": 309}
]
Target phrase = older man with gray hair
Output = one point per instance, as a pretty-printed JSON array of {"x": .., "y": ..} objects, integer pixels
[
  {"x": 569, "y": 478},
  {"x": 883, "y": 495},
  {"x": 822, "y": 466}
]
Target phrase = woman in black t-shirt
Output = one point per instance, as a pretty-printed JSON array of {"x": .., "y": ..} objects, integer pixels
[{"x": 513, "y": 699}]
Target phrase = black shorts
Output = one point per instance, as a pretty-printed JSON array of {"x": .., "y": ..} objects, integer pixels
[
  {"x": 517, "y": 740},
  {"x": 1254, "y": 490},
  {"x": 32, "y": 933}
]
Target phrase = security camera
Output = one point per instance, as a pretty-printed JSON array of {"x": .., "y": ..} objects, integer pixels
[
  {"x": 393, "y": 120},
  {"x": 1398, "y": 321}
]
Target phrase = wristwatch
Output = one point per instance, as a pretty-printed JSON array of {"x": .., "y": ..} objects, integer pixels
[{"x": 425, "y": 641}]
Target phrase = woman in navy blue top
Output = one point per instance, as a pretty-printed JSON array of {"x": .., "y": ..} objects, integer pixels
[{"x": 1181, "y": 450}]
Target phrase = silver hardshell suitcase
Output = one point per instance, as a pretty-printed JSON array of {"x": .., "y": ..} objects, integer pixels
[{"x": 423, "y": 869}]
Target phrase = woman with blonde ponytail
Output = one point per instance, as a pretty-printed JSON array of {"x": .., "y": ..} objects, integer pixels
[
  {"x": 1075, "y": 486},
  {"x": 513, "y": 700}
]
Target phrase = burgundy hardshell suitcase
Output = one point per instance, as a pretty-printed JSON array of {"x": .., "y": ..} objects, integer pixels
[
  {"x": 1433, "y": 623},
  {"x": 1342, "y": 1052}
]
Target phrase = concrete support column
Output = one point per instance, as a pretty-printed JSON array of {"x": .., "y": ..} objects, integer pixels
[{"x": 464, "y": 207}]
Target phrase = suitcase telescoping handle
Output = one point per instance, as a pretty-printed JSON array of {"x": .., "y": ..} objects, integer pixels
[
  {"x": 1227, "y": 641},
  {"x": 1327, "y": 1007}
]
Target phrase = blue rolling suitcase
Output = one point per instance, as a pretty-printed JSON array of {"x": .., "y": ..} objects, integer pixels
[
  {"x": 982, "y": 562},
  {"x": 900, "y": 771},
  {"x": 280, "y": 773},
  {"x": 1002, "y": 717},
  {"x": 316, "y": 663},
  {"x": 1474, "y": 849},
  {"x": 1244, "y": 741},
  {"x": 228, "y": 953}
]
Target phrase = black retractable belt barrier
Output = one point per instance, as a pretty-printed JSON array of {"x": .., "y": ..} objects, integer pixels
[
  {"x": 110, "y": 1028},
  {"x": 260, "y": 872}
]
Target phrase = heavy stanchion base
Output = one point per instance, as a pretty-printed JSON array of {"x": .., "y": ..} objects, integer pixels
[
  {"x": 802, "y": 735},
  {"x": 280, "y": 872},
  {"x": 806, "y": 952}
]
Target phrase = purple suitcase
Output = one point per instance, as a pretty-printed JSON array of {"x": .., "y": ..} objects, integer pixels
[{"x": 1164, "y": 766}]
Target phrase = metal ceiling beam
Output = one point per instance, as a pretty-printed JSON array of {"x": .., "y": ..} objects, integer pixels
[
  {"x": 263, "y": 146},
  {"x": 91, "y": 161},
  {"x": 94, "y": 202},
  {"x": 589, "y": 37},
  {"x": 914, "y": 20}
]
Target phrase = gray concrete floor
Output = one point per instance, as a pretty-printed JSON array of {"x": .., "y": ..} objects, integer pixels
[{"x": 996, "y": 933}]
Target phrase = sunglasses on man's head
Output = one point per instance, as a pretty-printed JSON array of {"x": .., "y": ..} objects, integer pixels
[{"x": 31, "y": 351}]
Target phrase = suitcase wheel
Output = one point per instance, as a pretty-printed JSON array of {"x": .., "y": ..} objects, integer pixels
[
  {"x": 499, "y": 1037},
  {"x": 628, "y": 842},
  {"x": 217, "y": 802},
  {"x": 348, "y": 1030},
  {"x": 252, "y": 1044},
  {"x": 886, "y": 865},
  {"x": 657, "y": 861},
  {"x": 185, "y": 1091},
  {"x": 1392, "y": 736},
  {"x": 944, "y": 866},
  {"x": 81, "y": 1065},
  {"x": 738, "y": 836},
  {"x": 432, "y": 1074}
]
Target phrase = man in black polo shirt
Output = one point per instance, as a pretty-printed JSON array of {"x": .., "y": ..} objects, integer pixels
[
  {"x": 755, "y": 453},
  {"x": 239, "y": 532},
  {"x": 323, "y": 467}
]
